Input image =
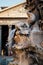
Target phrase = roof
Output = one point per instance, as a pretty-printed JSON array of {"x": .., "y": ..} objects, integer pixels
[
  {"x": 18, "y": 11},
  {"x": 12, "y": 7}
]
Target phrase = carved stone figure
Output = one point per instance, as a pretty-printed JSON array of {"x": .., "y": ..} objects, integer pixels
[{"x": 26, "y": 40}]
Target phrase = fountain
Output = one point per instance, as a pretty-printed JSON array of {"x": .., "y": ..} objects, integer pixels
[{"x": 28, "y": 46}]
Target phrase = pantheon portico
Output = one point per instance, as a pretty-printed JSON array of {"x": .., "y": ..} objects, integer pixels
[{"x": 8, "y": 17}]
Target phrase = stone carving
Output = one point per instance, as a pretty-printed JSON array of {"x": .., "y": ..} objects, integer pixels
[{"x": 27, "y": 45}]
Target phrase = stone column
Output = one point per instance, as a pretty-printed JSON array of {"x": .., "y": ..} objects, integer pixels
[
  {"x": 10, "y": 28},
  {"x": 9, "y": 50},
  {"x": 0, "y": 39}
]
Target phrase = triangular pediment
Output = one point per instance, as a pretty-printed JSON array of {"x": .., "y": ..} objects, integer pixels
[{"x": 17, "y": 11}]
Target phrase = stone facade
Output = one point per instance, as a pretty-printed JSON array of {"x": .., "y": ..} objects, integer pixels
[{"x": 11, "y": 15}]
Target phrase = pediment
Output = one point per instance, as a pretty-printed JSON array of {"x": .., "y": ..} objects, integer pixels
[{"x": 14, "y": 11}]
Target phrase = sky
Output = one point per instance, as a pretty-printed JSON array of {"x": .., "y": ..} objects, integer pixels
[{"x": 10, "y": 2}]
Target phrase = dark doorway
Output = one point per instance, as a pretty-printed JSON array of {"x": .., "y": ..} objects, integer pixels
[{"x": 4, "y": 38}]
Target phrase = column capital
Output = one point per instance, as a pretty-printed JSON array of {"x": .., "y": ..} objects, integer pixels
[{"x": 9, "y": 26}]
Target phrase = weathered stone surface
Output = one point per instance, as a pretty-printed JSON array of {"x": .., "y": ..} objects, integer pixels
[{"x": 28, "y": 50}]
